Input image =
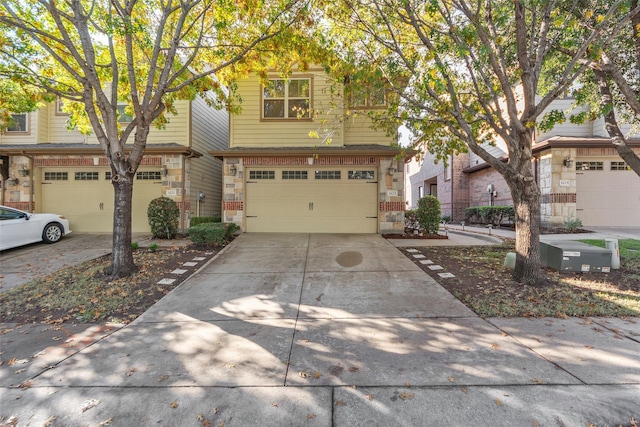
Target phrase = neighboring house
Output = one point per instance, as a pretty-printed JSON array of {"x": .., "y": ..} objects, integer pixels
[
  {"x": 579, "y": 173},
  {"x": 49, "y": 169},
  {"x": 279, "y": 179}
]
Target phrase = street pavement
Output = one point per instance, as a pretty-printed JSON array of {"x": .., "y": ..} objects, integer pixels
[{"x": 326, "y": 330}]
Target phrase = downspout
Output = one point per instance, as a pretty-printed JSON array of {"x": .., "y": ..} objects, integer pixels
[
  {"x": 31, "y": 181},
  {"x": 183, "y": 213}
]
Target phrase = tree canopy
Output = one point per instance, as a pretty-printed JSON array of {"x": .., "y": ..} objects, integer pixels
[
  {"x": 471, "y": 73},
  {"x": 98, "y": 56}
]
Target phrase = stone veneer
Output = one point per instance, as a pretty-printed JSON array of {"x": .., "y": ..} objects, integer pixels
[
  {"x": 390, "y": 186},
  {"x": 557, "y": 186}
]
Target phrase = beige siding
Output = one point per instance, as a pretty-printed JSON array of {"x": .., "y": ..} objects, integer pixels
[
  {"x": 210, "y": 131},
  {"x": 358, "y": 130},
  {"x": 248, "y": 130},
  {"x": 567, "y": 128},
  {"x": 57, "y": 131}
]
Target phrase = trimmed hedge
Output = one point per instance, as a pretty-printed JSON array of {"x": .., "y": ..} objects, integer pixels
[
  {"x": 197, "y": 220},
  {"x": 428, "y": 214},
  {"x": 495, "y": 215},
  {"x": 212, "y": 234}
]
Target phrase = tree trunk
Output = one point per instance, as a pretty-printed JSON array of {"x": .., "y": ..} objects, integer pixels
[
  {"x": 526, "y": 203},
  {"x": 122, "y": 264}
]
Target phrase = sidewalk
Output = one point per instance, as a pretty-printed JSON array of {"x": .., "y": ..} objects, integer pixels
[{"x": 320, "y": 330}]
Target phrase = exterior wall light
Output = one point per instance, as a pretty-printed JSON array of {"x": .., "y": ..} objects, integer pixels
[
  {"x": 568, "y": 162},
  {"x": 391, "y": 171},
  {"x": 165, "y": 170},
  {"x": 13, "y": 181},
  {"x": 232, "y": 170},
  {"x": 23, "y": 171}
]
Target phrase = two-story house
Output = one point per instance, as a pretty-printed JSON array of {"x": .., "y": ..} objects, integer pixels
[
  {"x": 47, "y": 168},
  {"x": 579, "y": 173},
  {"x": 277, "y": 178}
]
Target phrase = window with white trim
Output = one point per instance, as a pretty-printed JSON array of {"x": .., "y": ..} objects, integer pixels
[
  {"x": 19, "y": 123},
  {"x": 286, "y": 99}
]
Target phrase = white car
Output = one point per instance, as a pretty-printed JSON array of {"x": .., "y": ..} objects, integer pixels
[{"x": 19, "y": 228}]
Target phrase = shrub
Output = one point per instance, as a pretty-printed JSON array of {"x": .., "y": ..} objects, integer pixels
[
  {"x": 411, "y": 221},
  {"x": 163, "y": 214},
  {"x": 428, "y": 214},
  {"x": 572, "y": 224},
  {"x": 153, "y": 247},
  {"x": 210, "y": 233},
  {"x": 495, "y": 215},
  {"x": 134, "y": 246},
  {"x": 197, "y": 220}
]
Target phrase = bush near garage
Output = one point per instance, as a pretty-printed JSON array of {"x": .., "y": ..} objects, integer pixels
[
  {"x": 197, "y": 220},
  {"x": 428, "y": 214},
  {"x": 164, "y": 215},
  {"x": 212, "y": 234}
]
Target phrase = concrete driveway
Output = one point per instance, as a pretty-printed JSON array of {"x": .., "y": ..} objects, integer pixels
[
  {"x": 19, "y": 265},
  {"x": 327, "y": 330}
]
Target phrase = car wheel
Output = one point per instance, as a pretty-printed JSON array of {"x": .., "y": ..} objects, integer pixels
[{"x": 52, "y": 233}]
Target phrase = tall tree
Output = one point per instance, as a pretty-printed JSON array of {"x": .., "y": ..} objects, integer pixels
[
  {"x": 614, "y": 84},
  {"x": 468, "y": 73},
  {"x": 99, "y": 54}
]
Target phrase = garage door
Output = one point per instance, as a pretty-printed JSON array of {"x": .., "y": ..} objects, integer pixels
[
  {"x": 85, "y": 197},
  {"x": 339, "y": 200},
  {"x": 607, "y": 194}
]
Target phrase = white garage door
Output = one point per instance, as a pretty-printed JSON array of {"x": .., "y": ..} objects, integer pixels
[
  {"x": 85, "y": 196},
  {"x": 332, "y": 200},
  {"x": 607, "y": 194}
]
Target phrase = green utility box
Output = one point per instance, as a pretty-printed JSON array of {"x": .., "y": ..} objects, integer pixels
[{"x": 569, "y": 257}]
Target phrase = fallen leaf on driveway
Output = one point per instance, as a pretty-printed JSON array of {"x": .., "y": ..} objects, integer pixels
[
  {"x": 537, "y": 381},
  {"x": 311, "y": 416},
  {"x": 50, "y": 421},
  {"x": 106, "y": 422},
  {"x": 452, "y": 380},
  {"x": 89, "y": 404},
  {"x": 499, "y": 402},
  {"x": 340, "y": 403},
  {"x": 369, "y": 396},
  {"x": 174, "y": 404},
  {"x": 405, "y": 395},
  {"x": 317, "y": 375},
  {"x": 304, "y": 374},
  {"x": 353, "y": 369}
]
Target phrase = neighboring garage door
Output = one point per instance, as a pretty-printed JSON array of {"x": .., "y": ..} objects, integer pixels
[
  {"x": 607, "y": 194},
  {"x": 332, "y": 200},
  {"x": 85, "y": 197}
]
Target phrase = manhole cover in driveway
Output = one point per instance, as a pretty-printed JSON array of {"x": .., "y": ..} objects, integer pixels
[{"x": 349, "y": 259}]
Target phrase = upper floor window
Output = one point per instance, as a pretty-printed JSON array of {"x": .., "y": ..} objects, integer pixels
[
  {"x": 286, "y": 99},
  {"x": 59, "y": 107},
  {"x": 374, "y": 98},
  {"x": 19, "y": 123}
]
